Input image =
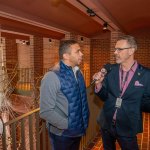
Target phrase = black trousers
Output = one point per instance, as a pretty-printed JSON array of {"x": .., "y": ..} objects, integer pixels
[
  {"x": 64, "y": 143},
  {"x": 109, "y": 138}
]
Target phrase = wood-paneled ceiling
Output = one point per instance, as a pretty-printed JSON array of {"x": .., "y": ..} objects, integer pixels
[{"x": 53, "y": 18}]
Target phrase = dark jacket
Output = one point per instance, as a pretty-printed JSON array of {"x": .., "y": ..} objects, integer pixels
[{"x": 136, "y": 99}]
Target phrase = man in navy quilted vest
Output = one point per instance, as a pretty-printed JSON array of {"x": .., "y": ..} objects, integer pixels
[
  {"x": 63, "y": 99},
  {"x": 125, "y": 91}
]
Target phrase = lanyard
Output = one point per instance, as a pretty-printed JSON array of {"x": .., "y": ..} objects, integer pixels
[{"x": 124, "y": 80}]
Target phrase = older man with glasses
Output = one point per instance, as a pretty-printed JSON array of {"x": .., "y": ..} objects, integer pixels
[{"x": 125, "y": 91}]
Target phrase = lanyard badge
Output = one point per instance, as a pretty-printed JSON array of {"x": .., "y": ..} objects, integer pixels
[{"x": 118, "y": 102}]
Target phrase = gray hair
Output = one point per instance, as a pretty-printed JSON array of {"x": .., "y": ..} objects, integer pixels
[{"x": 130, "y": 40}]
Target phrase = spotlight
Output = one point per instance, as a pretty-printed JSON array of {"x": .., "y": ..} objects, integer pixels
[
  {"x": 27, "y": 43},
  {"x": 23, "y": 42},
  {"x": 105, "y": 26},
  {"x": 91, "y": 12},
  {"x": 50, "y": 40}
]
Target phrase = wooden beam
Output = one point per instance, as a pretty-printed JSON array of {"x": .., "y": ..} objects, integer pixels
[{"x": 18, "y": 26}]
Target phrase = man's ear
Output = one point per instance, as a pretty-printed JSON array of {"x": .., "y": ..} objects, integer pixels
[
  {"x": 132, "y": 50},
  {"x": 66, "y": 56}
]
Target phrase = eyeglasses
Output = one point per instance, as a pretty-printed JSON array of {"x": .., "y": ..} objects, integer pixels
[{"x": 120, "y": 49}]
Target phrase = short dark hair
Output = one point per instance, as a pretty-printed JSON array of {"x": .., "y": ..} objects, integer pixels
[
  {"x": 130, "y": 40},
  {"x": 64, "y": 47}
]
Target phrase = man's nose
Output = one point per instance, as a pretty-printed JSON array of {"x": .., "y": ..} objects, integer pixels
[
  {"x": 115, "y": 51},
  {"x": 81, "y": 53}
]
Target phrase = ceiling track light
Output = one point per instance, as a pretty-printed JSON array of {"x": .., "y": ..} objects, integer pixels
[
  {"x": 105, "y": 26},
  {"x": 92, "y": 13}
]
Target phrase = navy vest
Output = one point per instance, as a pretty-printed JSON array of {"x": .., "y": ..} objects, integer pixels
[{"x": 75, "y": 92}]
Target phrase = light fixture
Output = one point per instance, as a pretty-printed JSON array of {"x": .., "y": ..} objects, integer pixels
[
  {"x": 50, "y": 40},
  {"x": 91, "y": 12},
  {"x": 105, "y": 26},
  {"x": 81, "y": 39},
  {"x": 23, "y": 42},
  {"x": 27, "y": 42}
]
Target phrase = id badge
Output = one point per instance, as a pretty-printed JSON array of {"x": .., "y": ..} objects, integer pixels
[{"x": 118, "y": 102}]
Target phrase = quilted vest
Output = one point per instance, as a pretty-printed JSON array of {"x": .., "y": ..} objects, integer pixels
[{"x": 75, "y": 91}]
